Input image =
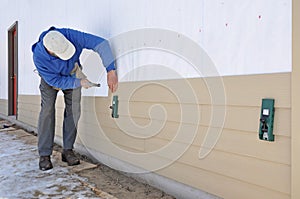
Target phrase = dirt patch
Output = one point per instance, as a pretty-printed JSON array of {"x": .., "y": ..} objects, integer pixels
[
  {"x": 121, "y": 186},
  {"x": 117, "y": 183}
]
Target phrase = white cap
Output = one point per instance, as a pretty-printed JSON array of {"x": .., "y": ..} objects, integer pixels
[{"x": 57, "y": 43}]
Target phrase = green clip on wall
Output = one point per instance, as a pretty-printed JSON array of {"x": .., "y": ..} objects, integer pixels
[
  {"x": 114, "y": 107},
  {"x": 267, "y": 120}
]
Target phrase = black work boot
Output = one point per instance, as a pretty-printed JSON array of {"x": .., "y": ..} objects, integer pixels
[
  {"x": 45, "y": 163},
  {"x": 69, "y": 157}
]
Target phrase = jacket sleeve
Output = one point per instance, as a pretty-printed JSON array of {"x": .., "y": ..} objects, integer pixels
[
  {"x": 95, "y": 43},
  {"x": 55, "y": 79}
]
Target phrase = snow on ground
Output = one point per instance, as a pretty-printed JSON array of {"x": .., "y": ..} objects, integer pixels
[{"x": 20, "y": 176}]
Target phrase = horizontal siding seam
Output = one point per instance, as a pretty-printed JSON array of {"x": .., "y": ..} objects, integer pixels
[
  {"x": 193, "y": 124},
  {"x": 219, "y": 150},
  {"x": 201, "y": 104}
]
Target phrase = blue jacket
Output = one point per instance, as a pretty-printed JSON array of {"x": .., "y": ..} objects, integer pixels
[{"x": 56, "y": 72}]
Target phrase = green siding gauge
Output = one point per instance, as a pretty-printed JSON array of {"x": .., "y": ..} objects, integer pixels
[
  {"x": 114, "y": 107},
  {"x": 266, "y": 120}
]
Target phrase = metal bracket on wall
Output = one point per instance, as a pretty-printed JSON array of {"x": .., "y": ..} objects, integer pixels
[
  {"x": 267, "y": 120},
  {"x": 114, "y": 107}
]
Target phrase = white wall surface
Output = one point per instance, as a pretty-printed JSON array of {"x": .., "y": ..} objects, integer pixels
[
  {"x": 240, "y": 37},
  {"x": 35, "y": 16},
  {"x": 235, "y": 37}
]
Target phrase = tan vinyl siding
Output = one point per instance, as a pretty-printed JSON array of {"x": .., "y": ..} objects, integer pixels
[
  {"x": 239, "y": 156},
  {"x": 295, "y": 99},
  {"x": 3, "y": 106},
  {"x": 28, "y": 109},
  {"x": 239, "y": 166},
  {"x": 220, "y": 185}
]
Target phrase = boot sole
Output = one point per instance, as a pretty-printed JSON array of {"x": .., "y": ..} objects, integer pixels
[
  {"x": 46, "y": 168},
  {"x": 63, "y": 158}
]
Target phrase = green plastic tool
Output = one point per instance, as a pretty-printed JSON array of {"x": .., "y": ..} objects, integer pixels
[
  {"x": 267, "y": 120},
  {"x": 114, "y": 107}
]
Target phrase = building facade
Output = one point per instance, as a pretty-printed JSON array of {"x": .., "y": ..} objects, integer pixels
[{"x": 192, "y": 78}]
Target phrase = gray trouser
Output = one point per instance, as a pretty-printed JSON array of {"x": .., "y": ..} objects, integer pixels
[{"x": 46, "y": 123}]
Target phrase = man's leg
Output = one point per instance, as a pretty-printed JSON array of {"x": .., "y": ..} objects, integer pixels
[
  {"x": 46, "y": 123},
  {"x": 71, "y": 117}
]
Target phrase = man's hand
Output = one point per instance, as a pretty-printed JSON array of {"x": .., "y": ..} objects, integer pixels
[{"x": 112, "y": 80}]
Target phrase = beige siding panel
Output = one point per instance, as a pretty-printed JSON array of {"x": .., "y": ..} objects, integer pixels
[
  {"x": 93, "y": 137},
  {"x": 140, "y": 127},
  {"x": 29, "y": 117},
  {"x": 119, "y": 137},
  {"x": 27, "y": 120},
  {"x": 254, "y": 171},
  {"x": 148, "y": 129},
  {"x": 240, "y": 143},
  {"x": 59, "y": 112},
  {"x": 92, "y": 118},
  {"x": 248, "y": 169},
  {"x": 29, "y": 99},
  {"x": 96, "y": 104},
  {"x": 124, "y": 147},
  {"x": 109, "y": 143},
  {"x": 107, "y": 120},
  {"x": 250, "y": 89},
  {"x": 233, "y": 141},
  {"x": 295, "y": 99},
  {"x": 244, "y": 90},
  {"x": 58, "y": 131},
  {"x": 60, "y": 102},
  {"x": 3, "y": 106},
  {"x": 241, "y": 140},
  {"x": 248, "y": 144},
  {"x": 90, "y": 135},
  {"x": 111, "y": 135},
  {"x": 238, "y": 118},
  {"x": 29, "y": 107},
  {"x": 247, "y": 119},
  {"x": 218, "y": 184},
  {"x": 28, "y": 110},
  {"x": 146, "y": 110},
  {"x": 185, "y": 113},
  {"x": 143, "y": 128},
  {"x": 282, "y": 120}
]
